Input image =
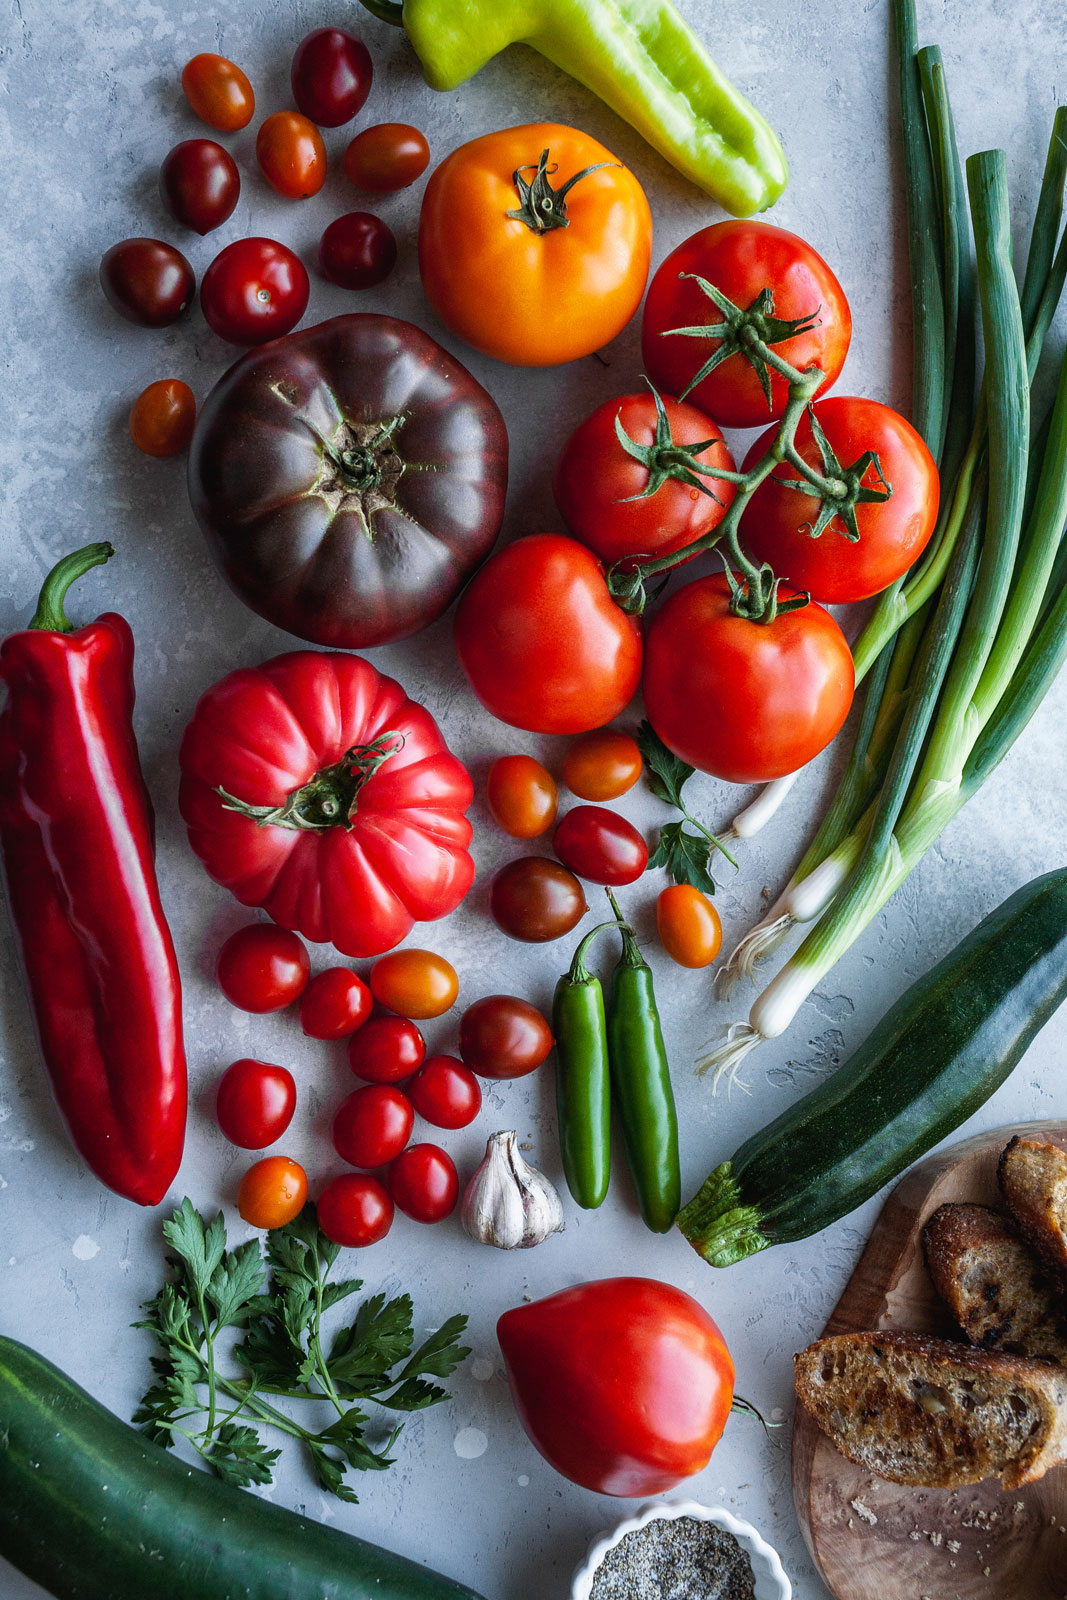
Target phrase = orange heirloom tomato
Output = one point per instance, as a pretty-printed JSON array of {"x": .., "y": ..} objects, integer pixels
[
  {"x": 218, "y": 92},
  {"x": 534, "y": 244},
  {"x": 688, "y": 925},
  {"x": 272, "y": 1192},
  {"x": 292, "y": 156},
  {"x": 521, "y": 795},
  {"x": 602, "y": 765},
  {"x": 414, "y": 983}
]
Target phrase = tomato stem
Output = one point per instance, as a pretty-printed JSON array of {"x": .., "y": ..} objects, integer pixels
[
  {"x": 541, "y": 207},
  {"x": 328, "y": 799}
]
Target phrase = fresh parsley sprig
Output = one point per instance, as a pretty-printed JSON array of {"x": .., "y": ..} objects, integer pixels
[
  {"x": 686, "y": 856},
  {"x": 280, "y": 1304}
]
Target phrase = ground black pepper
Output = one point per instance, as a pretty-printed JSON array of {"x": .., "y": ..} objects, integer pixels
[{"x": 675, "y": 1558}]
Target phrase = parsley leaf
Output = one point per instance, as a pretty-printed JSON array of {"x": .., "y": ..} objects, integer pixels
[
  {"x": 685, "y": 855},
  {"x": 686, "y": 858},
  {"x": 665, "y": 773}
]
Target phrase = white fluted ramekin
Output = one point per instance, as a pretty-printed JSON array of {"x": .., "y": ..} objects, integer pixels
[{"x": 771, "y": 1581}]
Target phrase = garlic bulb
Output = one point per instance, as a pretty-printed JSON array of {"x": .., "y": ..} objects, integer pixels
[{"x": 508, "y": 1203}]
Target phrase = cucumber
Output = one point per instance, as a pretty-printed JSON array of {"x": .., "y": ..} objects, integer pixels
[
  {"x": 92, "y": 1510},
  {"x": 936, "y": 1056}
]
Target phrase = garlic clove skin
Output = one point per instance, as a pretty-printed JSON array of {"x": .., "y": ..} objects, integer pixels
[{"x": 508, "y": 1203}]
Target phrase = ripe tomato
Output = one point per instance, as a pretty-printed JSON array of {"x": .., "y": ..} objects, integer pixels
[
  {"x": 741, "y": 260},
  {"x": 357, "y": 251},
  {"x": 424, "y": 1183},
  {"x": 199, "y": 184},
  {"x": 541, "y": 640},
  {"x": 254, "y": 290},
  {"x": 355, "y": 1210},
  {"x": 386, "y": 157},
  {"x": 162, "y": 417},
  {"x": 334, "y": 1004},
  {"x": 600, "y": 845},
  {"x": 445, "y": 1092},
  {"x": 386, "y": 1049},
  {"x": 331, "y": 76},
  {"x": 892, "y": 533},
  {"x": 518, "y": 270},
  {"x": 503, "y": 1037},
  {"x": 415, "y": 983},
  {"x": 373, "y": 1125},
  {"x": 602, "y": 765},
  {"x": 272, "y": 1192},
  {"x": 535, "y": 900},
  {"x": 688, "y": 925},
  {"x": 147, "y": 281},
  {"x": 218, "y": 92},
  {"x": 746, "y": 701},
  {"x": 521, "y": 794},
  {"x": 602, "y": 490},
  {"x": 254, "y": 1103},
  {"x": 262, "y": 968},
  {"x": 291, "y": 155}
]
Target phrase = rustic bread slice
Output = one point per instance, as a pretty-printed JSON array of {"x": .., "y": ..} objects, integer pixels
[
  {"x": 994, "y": 1284},
  {"x": 1033, "y": 1181},
  {"x": 924, "y": 1411}
]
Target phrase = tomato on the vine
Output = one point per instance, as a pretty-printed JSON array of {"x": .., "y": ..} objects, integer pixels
[
  {"x": 373, "y": 1125},
  {"x": 521, "y": 795},
  {"x": 263, "y": 967},
  {"x": 357, "y": 251},
  {"x": 601, "y": 846},
  {"x": 424, "y": 1183},
  {"x": 602, "y": 765},
  {"x": 334, "y": 1004},
  {"x": 291, "y": 155},
  {"x": 162, "y": 417},
  {"x": 254, "y": 1103},
  {"x": 536, "y": 900},
  {"x": 218, "y": 92},
  {"x": 689, "y": 927},
  {"x": 386, "y": 1050},
  {"x": 445, "y": 1092},
  {"x": 199, "y": 184},
  {"x": 503, "y": 1037},
  {"x": 355, "y": 1210},
  {"x": 331, "y": 76},
  {"x": 272, "y": 1192},
  {"x": 147, "y": 281},
  {"x": 386, "y": 157},
  {"x": 254, "y": 290},
  {"x": 415, "y": 983}
]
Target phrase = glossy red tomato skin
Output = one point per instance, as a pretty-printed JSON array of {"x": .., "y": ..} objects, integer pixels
[
  {"x": 624, "y": 1385},
  {"x": 263, "y": 968},
  {"x": 424, "y": 1183},
  {"x": 599, "y": 845},
  {"x": 599, "y": 487},
  {"x": 536, "y": 900},
  {"x": 373, "y": 1125},
  {"x": 542, "y": 642},
  {"x": 355, "y": 1210},
  {"x": 199, "y": 184},
  {"x": 386, "y": 157},
  {"x": 218, "y": 92},
  {"x": 893, "y": 533},
  {"x": 334, "y": 1004},
  {"x": 254, "y": 1103},
  {"x": 147, "y": 281},
  {"x": 357, "y": 251},
  {"x": 331, "y": 76},
  {"x": 254, "y": 290},
  {"x": 162, "y": 418},
  {"x": 291, "y": 155},
  {"x": 503, "y": 1037},
  {"x": 386, "y": 1050},
  {"x": 741, "y": 258},
  {"x": 742, "y": 700},
  {"x": 445, "y": 1093}
]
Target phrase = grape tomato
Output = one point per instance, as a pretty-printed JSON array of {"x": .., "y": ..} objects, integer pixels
[
  {"x": 386, "y": 1050},
  {"x": 503, "y": 1037},
  {"x": 373, "y": 1125},
  {"x": 334, "y": 1004},
  {"x": 254, "y": 1103},
  {"x": 291, "y": 155},
  {"x": 147, "y": 281},
  {"x": 601, "y": 765},
  {"x": 357, "y": 251},
  {"x": 424, "y": 1183},
  {"x": 199, "y": 184},
  {"x": 263, "y": 968},
  {"x": 272, "y": 1192},
  {"x": 414, "y": 983},
  {"x": 218, "y": 92},
  {"x": 386, "y": 157},
  {"x": 162, "y": 418},
  {"x": 355, "y": 1210},
  {"x": 600, "y": 846},
  {"x": 535, "y": 900},
  {"x": 521, "y": 795},
  {"x": 331, "y": 76}
]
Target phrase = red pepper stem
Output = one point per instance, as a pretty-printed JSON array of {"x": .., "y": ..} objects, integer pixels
[{"x": 50, "y": 615}]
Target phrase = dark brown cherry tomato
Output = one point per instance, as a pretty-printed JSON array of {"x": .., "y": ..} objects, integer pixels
[
  {"x": 600, "y": 845},
  {"x": 503, "y": 1037},
  {"x": 373, "y": 1125},
  {"x": 254, "y": 1103},
  {"x": 254, "y": 290},
  {"x": 162, "y": 417},
  {"x": 147, "y": 281},
  {"x": 602, "y": 765},
  {"x": 263, "y": 967},
  {"x": 357, "y": 251},
  {"x": 387, "y": 157},
  {"x": 334, "y": 1004},
  {"x": 199, "y": 184},
  {"x": 386, "y": 1049},
  {"x": 424, "y": 1183},
  {"x": 291, "y": 155},
  {"x": 218, "y": 92},
  {"x": 445, "y": 1092},
  {"x": 536, "y": 900},
  {"x": 355, "y": 1210},
  {"x": 331, "y": 76},
  {"x": 521, "y": 794},
  {"x": 272, "y": 1192}
]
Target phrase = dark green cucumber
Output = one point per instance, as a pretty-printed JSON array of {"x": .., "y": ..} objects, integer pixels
[
  {"x": 935, "y": 1057},
  {"x": 92, "y": 1510}
]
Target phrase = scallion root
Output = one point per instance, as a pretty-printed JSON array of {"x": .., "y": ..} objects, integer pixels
[{"x": 724, "y": 1060}]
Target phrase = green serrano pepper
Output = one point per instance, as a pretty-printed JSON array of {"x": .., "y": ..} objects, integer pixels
[{"x": 583, "y": 1084}]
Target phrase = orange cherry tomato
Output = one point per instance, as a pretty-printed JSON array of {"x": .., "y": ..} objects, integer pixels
[
  {"x": 272, "y": 1192},
  {"x": 602, "y": 765},
  {"x": 218, "y": 92},
  {"x": 291, "y": 154},
  {"x": 162, "y": 417},
  {"x": 521, "y": 795},
  {"x": 689, "y": 926},
  {"x": 414, "y": 983}
]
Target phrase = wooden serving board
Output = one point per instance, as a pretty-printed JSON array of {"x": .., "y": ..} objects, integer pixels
[{"x": 873, "y": 1540}]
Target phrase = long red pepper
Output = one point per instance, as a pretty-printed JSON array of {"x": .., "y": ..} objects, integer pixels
[{"x": 77, "y": 840}]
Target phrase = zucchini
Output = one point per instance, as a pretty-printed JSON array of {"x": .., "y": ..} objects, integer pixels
[
  {"x": 92, "y": 1510},
  {"x": 937, "y": 1055}
]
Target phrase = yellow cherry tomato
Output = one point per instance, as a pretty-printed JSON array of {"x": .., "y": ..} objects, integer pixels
[
  {"x": 521, "y": 795},
  {"x": 689, "y": 927},
  {"x": 414, "y": 983},
  {"x": 272, "y": 1192}
]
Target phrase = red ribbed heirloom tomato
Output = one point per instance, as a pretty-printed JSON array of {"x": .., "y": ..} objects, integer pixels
[
  {"x": 623, "y": 1384},
  {"x": 313, "y": 787}
]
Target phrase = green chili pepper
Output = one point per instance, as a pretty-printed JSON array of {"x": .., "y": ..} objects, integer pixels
[
  {"x": 641, "y": 1078},
  {"x": 583, "y": 1085},
  {"x": 638, "y": 56}
]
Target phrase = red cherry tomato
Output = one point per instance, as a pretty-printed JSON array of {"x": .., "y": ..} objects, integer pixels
[
  {"x": 424, "y": 1183},
  {"x": 147, "y": 281},
  {"x": 263, "y": 968},
  {"x": 503, "y": 1037},
  {"x": 521, "y": 795},
  {"x": 386, "y": 1050},
  {"x": 218, "y": 92},
  {"x": 355, "y": 1210},
  {"x": 386, "y": 157},
  {"x": 199, "y": 184},
  {"x": 254, "y": 290},
  {"x": 272, "y": 1192},
  {"x": 334, "y": 1004},
  {"x": 291, "y": 155},
  {"x": 415, "y": 983},
  {"x": 373, "y": 1125},
  {"x": 601, "y": 846},
  {"x": 602, "y": 765},
  {"x": 688, "y": 925},
  {"x": 357, "y": 251},
  {"x": 254, "y": 1103},
  {"x": 445, "y": 1092},
  {"x": 331, "y": 76},
  {"x": 536, "y": 900},
  {"x": 162, "y": 417}
]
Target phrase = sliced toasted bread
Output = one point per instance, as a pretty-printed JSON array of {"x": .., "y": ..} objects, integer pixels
[
  {"x": 993, "y": 1283},
  {"x": 924, "y": 1411},
  {"x": 1033, "y": 1181}
]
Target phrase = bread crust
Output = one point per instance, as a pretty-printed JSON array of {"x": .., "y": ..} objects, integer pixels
[{"x": 1033, "y": 1181}]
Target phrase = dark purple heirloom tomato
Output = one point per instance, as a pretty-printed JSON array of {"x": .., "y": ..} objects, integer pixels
[{"x": 349, "y": 478}]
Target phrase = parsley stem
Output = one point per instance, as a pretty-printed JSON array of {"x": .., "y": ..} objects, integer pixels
[
  {"x": 712, "y": 838},
  {"x": 208, "y": 1357}
]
